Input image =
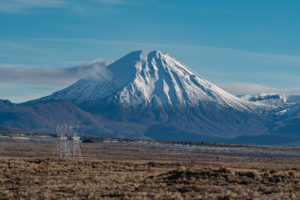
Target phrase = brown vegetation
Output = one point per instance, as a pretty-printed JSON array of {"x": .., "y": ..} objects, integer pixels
[
  {"x": 57, "y": 179},
  {"x": 28, "y": 170}
]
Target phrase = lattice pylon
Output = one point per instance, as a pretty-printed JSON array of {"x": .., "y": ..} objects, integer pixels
[{"x": 68, "y": 145}]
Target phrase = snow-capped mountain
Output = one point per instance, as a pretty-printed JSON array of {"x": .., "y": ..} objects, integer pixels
[
  {"x": 151, "y": 78},
  {"x": 156, "y": 90}
]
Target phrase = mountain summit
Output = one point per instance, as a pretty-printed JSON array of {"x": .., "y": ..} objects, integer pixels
[
  {"x": 156, "y": 92},
  {"x": 149, "y": 78}
]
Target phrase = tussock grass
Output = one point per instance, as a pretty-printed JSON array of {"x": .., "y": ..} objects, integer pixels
[
  {"x": 137, "y": 171},
  {"x": 57, "y": 179}
]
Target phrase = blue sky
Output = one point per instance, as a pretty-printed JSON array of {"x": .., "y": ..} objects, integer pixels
[{"x": 243, "y": 46}]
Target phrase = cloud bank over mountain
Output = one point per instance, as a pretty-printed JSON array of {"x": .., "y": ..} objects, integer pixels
[{"x": 54, "y": 76}]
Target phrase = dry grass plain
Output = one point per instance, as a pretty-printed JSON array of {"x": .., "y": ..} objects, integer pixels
[{"x": 141, "y": 170}]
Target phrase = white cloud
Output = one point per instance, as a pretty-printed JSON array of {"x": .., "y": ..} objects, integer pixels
[
  {"x": 52, "y": 76},
  {"x": 213, "y": 63},
  {"x": 112, "y": 2},
  {"x": 21, "y": 6},
  {"x": 25, "y": 6},
  {"x": 252, "y": 89},
  {"x": 262, "y": 58},
  {"x": 20, "y": 83}
]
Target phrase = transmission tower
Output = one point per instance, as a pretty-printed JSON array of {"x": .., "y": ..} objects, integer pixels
[
  {"x": 68, "y": 144},
  {"x": 73, "y": 130}
]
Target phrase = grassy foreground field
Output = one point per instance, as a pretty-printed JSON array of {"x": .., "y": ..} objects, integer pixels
[{"x": 139, "y": 170}]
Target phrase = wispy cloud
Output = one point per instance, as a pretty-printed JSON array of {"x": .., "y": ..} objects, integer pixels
[
  {"x": 52, "y": 76},
  {"x": 26, "y": 6},
  {"x": 213, "y": 63},
  {"x": 264, "y": 58},
  {"x": 115, "y": 2},
  {"x": 23, "y": 6},
  {"x": 253, "y": 89},
  {"x": 247, "y": 88},
  {"x": 20, "y": 83}
]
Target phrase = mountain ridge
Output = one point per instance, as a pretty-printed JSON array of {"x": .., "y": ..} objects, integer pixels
[
  {"x": 153, "y": 88},
  {"x": 151, "y": 94},
  {"x": 189, "y": 90}
]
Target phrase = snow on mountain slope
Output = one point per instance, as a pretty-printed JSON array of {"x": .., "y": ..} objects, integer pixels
[
  {"x": 275, "y": 104},
  {"x": 264, "y": 99},
  {"x": 154, "y": 89},
  {"x": 293, "y": 99},
  {"x": 146, "y": 77}
]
